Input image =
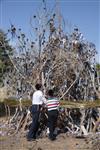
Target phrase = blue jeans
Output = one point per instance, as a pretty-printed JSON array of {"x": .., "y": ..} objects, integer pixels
[{"x": 35, "y": 122}]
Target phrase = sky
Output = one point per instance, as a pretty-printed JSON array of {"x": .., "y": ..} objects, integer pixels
[{"x": 84, "y": 14}]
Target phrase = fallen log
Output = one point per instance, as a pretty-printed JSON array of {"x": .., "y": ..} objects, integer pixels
[{"x": 63, "y": 103}]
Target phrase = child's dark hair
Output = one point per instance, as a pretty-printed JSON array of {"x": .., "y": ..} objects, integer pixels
[
  {"x": 50, "y": 92},
  {"x": 38, "y": 86}
]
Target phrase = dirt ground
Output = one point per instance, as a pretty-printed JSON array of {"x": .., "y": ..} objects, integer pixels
[{"x": 63, "y": 142}]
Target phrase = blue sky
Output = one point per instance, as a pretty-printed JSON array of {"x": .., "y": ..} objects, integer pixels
[{"x": 83, "y": 13}]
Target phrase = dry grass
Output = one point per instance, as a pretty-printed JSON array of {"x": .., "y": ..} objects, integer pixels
[{"x": 3, "y": 93}]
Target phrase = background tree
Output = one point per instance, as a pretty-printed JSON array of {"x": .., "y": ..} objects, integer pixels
[{"x": 5, "y": 51}]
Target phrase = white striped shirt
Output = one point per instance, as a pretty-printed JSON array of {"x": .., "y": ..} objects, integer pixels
[{"x": 52, "y": 104}]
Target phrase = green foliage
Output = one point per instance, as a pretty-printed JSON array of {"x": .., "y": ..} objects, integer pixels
[
  {"x": 98, "y": 66},
  {"x": 5, "y": 51}
]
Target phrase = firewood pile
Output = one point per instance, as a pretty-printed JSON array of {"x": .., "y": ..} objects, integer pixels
[
  {"x": 69, "y": 69},
  {"x": 75, "y": 121},
  {"x": 62, "y": 61}
]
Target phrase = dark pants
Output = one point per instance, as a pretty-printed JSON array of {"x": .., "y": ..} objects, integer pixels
[
  {"x": 52, "y": 121},
  {"x": 35, "y": 121}
]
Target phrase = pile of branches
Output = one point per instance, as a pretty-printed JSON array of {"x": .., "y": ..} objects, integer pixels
[
  {"x": 64, "y": 62},
  {"x": 76, "y": 121}
]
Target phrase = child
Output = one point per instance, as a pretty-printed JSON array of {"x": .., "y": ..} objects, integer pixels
[{"x": 52, "y": 106}]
